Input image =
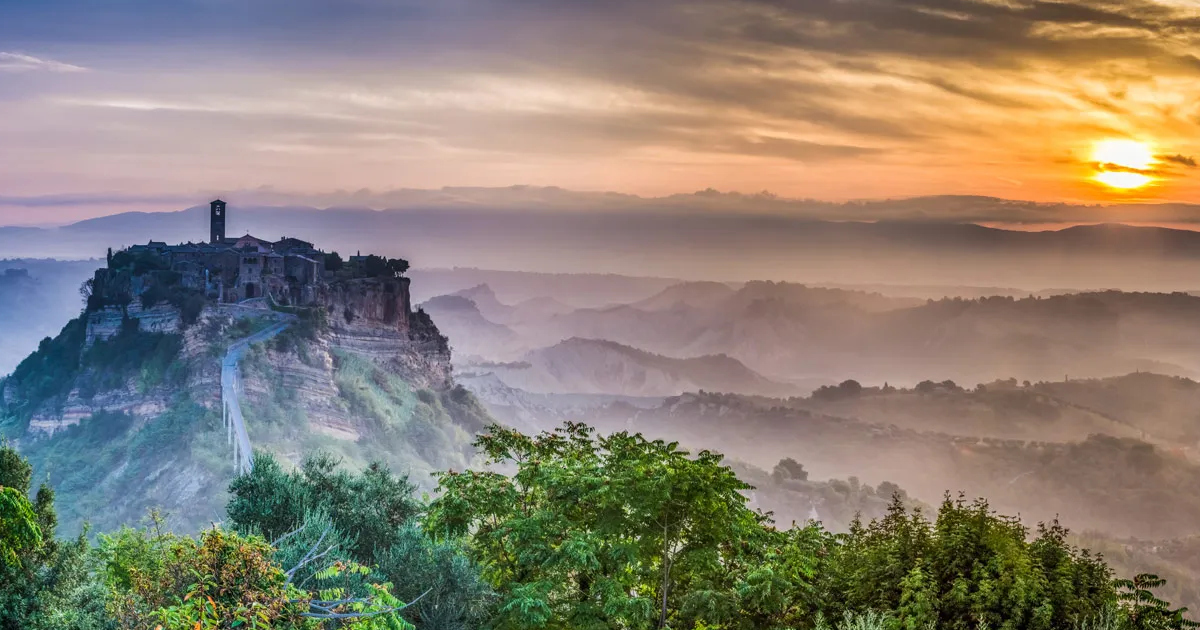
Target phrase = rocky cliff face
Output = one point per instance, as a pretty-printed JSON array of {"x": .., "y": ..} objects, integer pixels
[
  {"x": 123, "y": 408},
  {"x": 374, "y": 318},
  {"x": 368, "y": 329},
  {"x": 106, "y": 322},
  {"x": 370, "y": 303},
  {"x": 83, "y": 400},
  {"x": 195, "y": 363},
  {"x": 371, "y": 318}
]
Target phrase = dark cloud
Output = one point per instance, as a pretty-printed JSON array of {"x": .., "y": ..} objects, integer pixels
[
  {"x": 1182, "y": 160},
  {"x": 965, "y": 29},
  {"x": 1117, "y": 168},
  {"x": 695, "y": 30}
]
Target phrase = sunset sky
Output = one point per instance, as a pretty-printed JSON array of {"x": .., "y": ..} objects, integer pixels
[{"x": 137, "y": 104}]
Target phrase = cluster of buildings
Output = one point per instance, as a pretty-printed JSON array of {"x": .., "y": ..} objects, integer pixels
[{"x": 289, "y": 270}]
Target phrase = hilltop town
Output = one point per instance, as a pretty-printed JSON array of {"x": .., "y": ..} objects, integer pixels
[
  {"x": 286, "y": 272},
  {"x": 189, "y": 358}
]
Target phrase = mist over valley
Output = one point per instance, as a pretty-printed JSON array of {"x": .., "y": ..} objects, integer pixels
[{"x": 562, "y": 315}]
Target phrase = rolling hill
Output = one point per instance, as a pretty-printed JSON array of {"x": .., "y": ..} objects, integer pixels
[{"x": 589, "y": 366}]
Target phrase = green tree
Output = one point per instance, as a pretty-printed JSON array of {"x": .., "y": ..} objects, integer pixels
[
  {"x": 1079, "y": 584},
  {"x": 219, "y": 581},
  {"x": 968, "y": 567},
  {"x": 1144, "y": 610},
  {"x": 44, "y": 583},
  {"x": 223, "y": 580},
  {"x": 369, "y": 518},
  {"x": 370, "y": 507},
  {"x": 595, "y": 532},
  {"x": 19, "y": 533},
  {"x": 373, "y": 266},
  {"x": 918, "y": 602},
  {"x": 768, "y": 582}
]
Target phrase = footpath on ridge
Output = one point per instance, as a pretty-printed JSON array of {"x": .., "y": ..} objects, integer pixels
[{"x": 231, "y": 407}]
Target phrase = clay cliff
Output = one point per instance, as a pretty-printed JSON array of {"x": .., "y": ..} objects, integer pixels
[
  {"x": 374, "y": 317},
  {"x": 122, "y": 408},
  {"x": 366, "y": 317}
]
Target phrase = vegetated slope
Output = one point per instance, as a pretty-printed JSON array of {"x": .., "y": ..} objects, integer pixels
[
  {"x": 793, "y": 499},
  {"x": 121, "y": 412},
  {"x": 1118, "y": 485},
  {"x": 309, "y": 390},
  {"x": 589, "y": 366},
  {"x": 125, "y": 424},
  {"x": 1177, "y": 560},
  {"x": 1001, "y": 409},
  {"x": 1165, "y": 407},
  {"x": 527, "y": 411}
]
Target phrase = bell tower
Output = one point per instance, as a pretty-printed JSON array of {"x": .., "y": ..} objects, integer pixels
[{"x": 216, "y": 221}]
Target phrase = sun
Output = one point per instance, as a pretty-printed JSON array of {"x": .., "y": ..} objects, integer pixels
[
  {"x": 1124, "y": 181},
  {"x": 1123, "y": 164},
  {"x": 1124, "y": 153}
]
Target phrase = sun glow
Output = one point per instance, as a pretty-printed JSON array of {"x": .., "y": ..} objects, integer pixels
[
  {"x": 1122, "y": 180},
  {"x": 1123, "y": 164}
]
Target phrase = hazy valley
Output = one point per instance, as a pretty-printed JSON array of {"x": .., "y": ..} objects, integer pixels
[
  {"x": 829, "y": 398},
  {"x": 568, "y": 315}
]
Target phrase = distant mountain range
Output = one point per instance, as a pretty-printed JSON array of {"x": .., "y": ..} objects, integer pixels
[
  {"x": 790, "y": 332},
  {"x": 534, "y": 413},
  {"x": 459, "y": 318},
  {"x": 809, "y": 336},
  {"x": 531, "y": 310},
  {"x": 667, "y": 242},
  {"x": 578, "y": 290}
]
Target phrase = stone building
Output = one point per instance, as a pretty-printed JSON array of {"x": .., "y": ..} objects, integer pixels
[{"x": 291, "y": 271}]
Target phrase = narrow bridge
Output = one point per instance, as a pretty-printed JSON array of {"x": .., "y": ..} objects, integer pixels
[{"x": 231, "y": 387}]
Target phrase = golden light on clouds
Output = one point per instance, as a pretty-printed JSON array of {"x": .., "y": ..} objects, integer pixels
[
  {"x": 1067, "y": 101},
  {"x": 1124, "y": 153},
  {"x": 1123, "y": 164}
]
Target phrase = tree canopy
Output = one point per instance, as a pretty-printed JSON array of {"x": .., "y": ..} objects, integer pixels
[{"x": 565, "y": 529}]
